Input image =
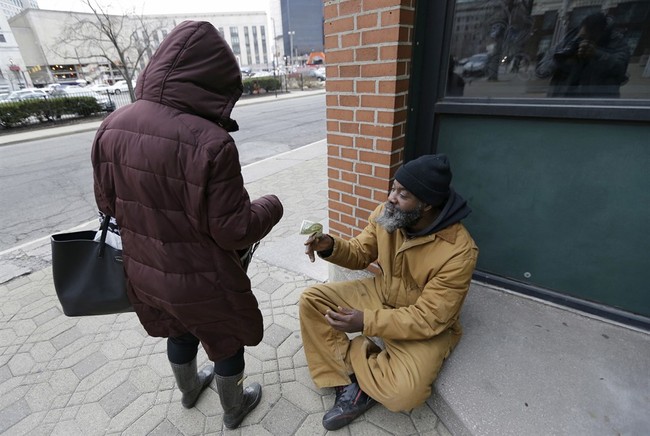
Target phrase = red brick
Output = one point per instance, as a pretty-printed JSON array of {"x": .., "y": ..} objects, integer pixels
[
  {"x": 344, "y": 85},
  {"x": 374, "y": 157},
  {"x": 390, "y": 18},
  {"x": 393, "y": 86},
  {"x": 385, "y": 117},
  {"x": 331, "y": 42},
  {"x": 349, "y": 71},
  {"x": 341, "y": 207},
  {"x": 364, "y": 143},
  {"x": 365, "y": 54},
  {"x": 380, "y": 195},
  {"x": 365, "y": 21},
  {"x": 349, "y": 100},
  {"x": 373, "y": 182},
  {"x": 362, "y": 191},
  {"x": 378, "y": 70},
  {"x": 349, "y": 177},
  {"x": 333, "y": 150},
  {"x": 366, "y": 86},
  {"x": 331, "y": 100},
  {"x": 349, "y": 153},
  {"x": 377, "y": 101},
  {"x": 340, "y": 56},
  {"x": 333, "y": 195},
  {"x": 352, "y": 7},
  {"x": 367, "y": 204},
  {"x": 349, "y": 128},
  {"x": 340, "y": 186},
  {"x": 349, "y": 220},
  {"x": 340, "y": 114},
  {"x": 340, "y": 140},
  {"x": 382, "y": 172},
  {"x": 363, "y": 168},
  {"x": 369, "y": 5},
  {"x": 378, "y": 131},
  {"x": 339, "y": 229},
  {"x": 330, "y": 11},
  {"x": 364, "y": 116},
  {"x": 333, "y": 126},
  {"x": 339, "y": 25},
  {"x": 340, "y": 164},
  {"x": 350, "y": 40},
  {"x": 380, "y": 36},
  {"x": 349, "y": 199}
]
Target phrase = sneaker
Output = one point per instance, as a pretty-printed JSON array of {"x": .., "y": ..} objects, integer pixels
[{"x": 351, "y": 402}]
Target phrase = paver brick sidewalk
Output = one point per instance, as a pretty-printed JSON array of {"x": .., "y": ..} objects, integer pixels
[{"x": 104, "y": 376}]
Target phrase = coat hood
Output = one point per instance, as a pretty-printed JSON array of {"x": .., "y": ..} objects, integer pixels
[{"x": 195, "y": 71}]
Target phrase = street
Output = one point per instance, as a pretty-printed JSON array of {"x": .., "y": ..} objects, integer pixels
[{"x": 46, "y": 185}]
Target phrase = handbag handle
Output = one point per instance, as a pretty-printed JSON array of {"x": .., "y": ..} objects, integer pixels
[{"x": 102, "y": 239}]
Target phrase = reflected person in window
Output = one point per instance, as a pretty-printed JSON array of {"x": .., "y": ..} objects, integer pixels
[{"x": 591, "y": 61}]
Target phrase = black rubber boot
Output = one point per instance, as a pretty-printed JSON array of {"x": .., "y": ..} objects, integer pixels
[
  {"x": 191, "y": 383},
  {"x": 351, "y": 402},
  {"x": 236, "y": 401}
]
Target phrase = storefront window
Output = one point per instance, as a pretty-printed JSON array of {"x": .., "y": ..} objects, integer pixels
[{"x": 550, "y": 49}]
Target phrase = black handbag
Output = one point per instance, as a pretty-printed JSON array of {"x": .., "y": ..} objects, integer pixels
[{"x": 88, "y": 274}]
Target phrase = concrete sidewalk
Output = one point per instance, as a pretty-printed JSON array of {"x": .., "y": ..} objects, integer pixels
[{"x": 524, "y": 367}]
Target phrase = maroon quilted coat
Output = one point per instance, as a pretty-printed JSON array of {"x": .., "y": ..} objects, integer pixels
[{"x": 166, "y": 168}]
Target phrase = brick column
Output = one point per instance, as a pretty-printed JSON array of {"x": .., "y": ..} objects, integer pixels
[{"x": 368, "y": 51}]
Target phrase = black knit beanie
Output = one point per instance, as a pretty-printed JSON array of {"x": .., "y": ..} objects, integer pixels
[{"x": 427, "y": 177}]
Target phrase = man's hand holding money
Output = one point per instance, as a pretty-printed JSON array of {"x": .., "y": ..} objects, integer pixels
[{"x": 316, "y": 240}]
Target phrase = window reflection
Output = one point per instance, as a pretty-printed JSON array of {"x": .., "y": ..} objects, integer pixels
[{"x": 550, "y": 48}]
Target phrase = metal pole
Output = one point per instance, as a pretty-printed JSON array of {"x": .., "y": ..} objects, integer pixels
[{"x": 291, "y": 33}]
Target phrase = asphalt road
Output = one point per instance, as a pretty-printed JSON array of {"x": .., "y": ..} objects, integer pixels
[{"x": 46, "y": 185}]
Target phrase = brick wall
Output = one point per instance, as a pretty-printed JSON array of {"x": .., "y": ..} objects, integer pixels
[{"x": 368, "y": 50}]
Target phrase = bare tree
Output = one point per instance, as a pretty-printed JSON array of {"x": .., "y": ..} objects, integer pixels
[
  {"x": 509, "y": 28},
  {"x": 122, "y": 40}
]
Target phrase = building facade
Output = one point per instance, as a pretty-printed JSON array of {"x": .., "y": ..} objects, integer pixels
[
  {"x": 302, "y": 26},
  {"x": 558, "y": 186},
  {"x": 13, "y": 74},
  {"x": 53, "y": 53}
]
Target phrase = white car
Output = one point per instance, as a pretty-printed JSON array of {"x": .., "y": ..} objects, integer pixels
[
  {"x": 27, "y": 94},
  {"x": 74, "y": 91},
  {"x": 101, "y": 88},
  {"x": 119, "y": 87}
]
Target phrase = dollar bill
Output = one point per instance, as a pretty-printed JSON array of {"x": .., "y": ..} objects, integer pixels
[{"x": 311, "y": 228}]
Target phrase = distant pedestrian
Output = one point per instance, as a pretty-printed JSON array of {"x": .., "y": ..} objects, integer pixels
[{"x": 167, "y": 169}]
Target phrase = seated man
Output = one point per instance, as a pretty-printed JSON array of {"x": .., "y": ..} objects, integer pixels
[{"x": 426, "y": 257}]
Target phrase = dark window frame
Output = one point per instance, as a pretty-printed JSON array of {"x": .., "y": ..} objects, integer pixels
[{"x": 432, "y": 40}]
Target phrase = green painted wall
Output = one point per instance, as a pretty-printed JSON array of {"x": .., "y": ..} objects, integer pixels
[{"x": 564, "y": 205}]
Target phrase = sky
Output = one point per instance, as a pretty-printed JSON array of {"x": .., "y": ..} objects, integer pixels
[{"x": 161, "y": 6}]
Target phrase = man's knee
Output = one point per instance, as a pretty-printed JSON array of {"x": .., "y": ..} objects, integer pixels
[{"x": 307, "y": 298}]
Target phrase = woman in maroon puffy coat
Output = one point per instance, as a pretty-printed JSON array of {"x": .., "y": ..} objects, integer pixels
[{"x": 166, "y": 168}]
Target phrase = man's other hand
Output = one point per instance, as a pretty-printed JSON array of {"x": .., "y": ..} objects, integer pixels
[{"x": 345, "y": 320}]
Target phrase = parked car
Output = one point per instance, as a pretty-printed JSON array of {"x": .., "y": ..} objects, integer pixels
[
  {"x": 318, "y": 73},
  {"x": 476, "y": 65},
  {"x": 119, "y": 87},
  {"x": 74, "y": 91},
  {"x": 26, "y": 94},
  {"x": 101, "y": 88}
]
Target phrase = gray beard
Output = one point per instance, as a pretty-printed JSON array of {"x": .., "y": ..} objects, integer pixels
[{"x": 394, "y": 218}]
